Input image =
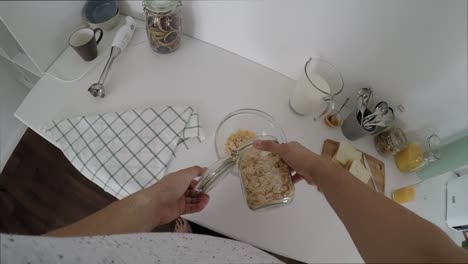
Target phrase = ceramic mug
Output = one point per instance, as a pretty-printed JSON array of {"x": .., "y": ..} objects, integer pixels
[{"x": 84, "y": 42}]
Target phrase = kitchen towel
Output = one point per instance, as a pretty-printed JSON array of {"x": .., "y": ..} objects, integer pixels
[{"x": 124, "y": 152}]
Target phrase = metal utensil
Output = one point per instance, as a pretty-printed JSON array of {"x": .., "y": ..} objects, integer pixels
[
  {"x": 372, "y": 175},
  {"x": 343, "y": 105},
  {"x": 380, "y": 120},
  {"x": 364, "y": 96},
  {"x": 97, "y": 89},
  {"x": 380, "y": 109}
]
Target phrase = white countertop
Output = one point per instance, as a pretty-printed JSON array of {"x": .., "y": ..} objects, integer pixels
[
  {"x": 218, "y": 82},
  {"x": 431, "y": 203}
]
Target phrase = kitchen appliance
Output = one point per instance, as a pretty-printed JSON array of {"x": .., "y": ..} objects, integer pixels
[
  {"x": 121, "y": 40},
  {"x": 457, "y": 203}
]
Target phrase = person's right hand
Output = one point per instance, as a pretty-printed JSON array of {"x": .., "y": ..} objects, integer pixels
[{"x": 303, "y": 161}]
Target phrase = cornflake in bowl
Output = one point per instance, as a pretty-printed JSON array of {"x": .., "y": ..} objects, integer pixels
[
  {"x": 253, "y": 123},
  {"x": 238, "y": 139}
]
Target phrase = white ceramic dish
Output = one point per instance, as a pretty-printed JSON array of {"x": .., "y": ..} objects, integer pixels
[{"x": 109, "y": 24}]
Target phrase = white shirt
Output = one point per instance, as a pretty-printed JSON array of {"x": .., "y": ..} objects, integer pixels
[{"x": 133, "y": 248}]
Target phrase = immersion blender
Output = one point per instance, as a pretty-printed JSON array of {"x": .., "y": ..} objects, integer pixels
[{"x": 121, "y": 40}]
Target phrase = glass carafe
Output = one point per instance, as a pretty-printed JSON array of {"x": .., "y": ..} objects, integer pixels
[
  {"x": 419, "y": 153},
  {"x": 315, "y": 90}
]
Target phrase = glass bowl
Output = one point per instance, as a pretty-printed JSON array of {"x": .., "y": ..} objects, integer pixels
[{"x": 254, "y": 120}]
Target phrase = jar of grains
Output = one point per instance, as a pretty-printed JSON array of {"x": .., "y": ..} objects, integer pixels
[
  {"x": 265, "y": 178},
  {"x": 163, "y": 24},
  {"x": 390, "y": 142}
]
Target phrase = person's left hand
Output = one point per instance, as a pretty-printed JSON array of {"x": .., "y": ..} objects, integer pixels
[{"x": 176, "y": 196}]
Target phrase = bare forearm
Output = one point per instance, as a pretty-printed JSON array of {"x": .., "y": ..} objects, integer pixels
[
  {"x": 158, "y": 204},
  {"x": 136, "y": 213},
  {"x": 382, "y": 230}
]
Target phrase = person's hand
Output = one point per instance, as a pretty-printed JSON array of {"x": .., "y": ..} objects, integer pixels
[
  {"x": 303, "y": 161},
  {"x": 176, "y": 196}
]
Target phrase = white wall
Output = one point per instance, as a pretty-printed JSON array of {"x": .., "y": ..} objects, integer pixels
[
  {"x": 42, "y": 27},
  {"x": 411, "y": 52},
  {"x": 11, "y": 95}
]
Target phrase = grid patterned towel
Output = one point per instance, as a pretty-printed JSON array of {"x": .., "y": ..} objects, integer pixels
[{"x": 123, "y": 152}]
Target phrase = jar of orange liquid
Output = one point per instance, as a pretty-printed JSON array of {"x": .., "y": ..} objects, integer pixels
[
  {"x": 416, "y": 155},
  {"x": 404, "y": 195}
]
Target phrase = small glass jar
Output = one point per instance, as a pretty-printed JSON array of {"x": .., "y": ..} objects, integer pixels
[
  {"x": 266, "y": 180},
  {"x": 404, "y": 195},
  {"x": 333, "y": 119},
  {"x": 163, "y": 24},
  {"x": 417, "y": 155},
  {"x": 390, "y": 142}
]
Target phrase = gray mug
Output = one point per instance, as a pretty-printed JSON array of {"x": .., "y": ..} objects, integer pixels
[
  {"x": 84, "y": 42},
  {"x": 351, "y": 128}
]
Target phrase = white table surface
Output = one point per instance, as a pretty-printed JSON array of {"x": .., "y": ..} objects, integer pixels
[
  {"x": 431, "y": 203},
  {"x": 218, "y": 82}
]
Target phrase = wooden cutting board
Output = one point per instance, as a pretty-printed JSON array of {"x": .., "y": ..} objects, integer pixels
[{"x": 377, "y": 167}]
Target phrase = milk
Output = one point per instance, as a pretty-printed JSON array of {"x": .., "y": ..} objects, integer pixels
[{"x": 306, "y": 98}]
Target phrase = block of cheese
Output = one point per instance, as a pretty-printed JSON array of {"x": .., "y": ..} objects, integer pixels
[
  {"x": 357, "y": 169},
  {"x": 346, "y": 153}
]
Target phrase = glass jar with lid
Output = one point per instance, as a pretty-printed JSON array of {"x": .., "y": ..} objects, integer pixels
[
  {"x": 265, "y": 179},
  {"x": 390, "y": 142},
  {"x": 163, "y": 24},
  {"x": 419, "y": 153}
]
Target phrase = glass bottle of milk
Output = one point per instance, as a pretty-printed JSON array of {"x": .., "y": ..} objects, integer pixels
[{"x": 314, "y": 91}]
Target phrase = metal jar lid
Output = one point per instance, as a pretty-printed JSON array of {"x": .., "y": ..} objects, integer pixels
[{"x": 161, "y": 6}]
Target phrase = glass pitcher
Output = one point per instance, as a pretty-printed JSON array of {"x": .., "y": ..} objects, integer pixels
[
  {"x": 419, "y": 153},
  {"x": 315, "y": 90}
]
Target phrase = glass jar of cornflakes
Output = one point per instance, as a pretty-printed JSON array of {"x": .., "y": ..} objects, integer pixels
[{"x": 266, "y": 180}]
